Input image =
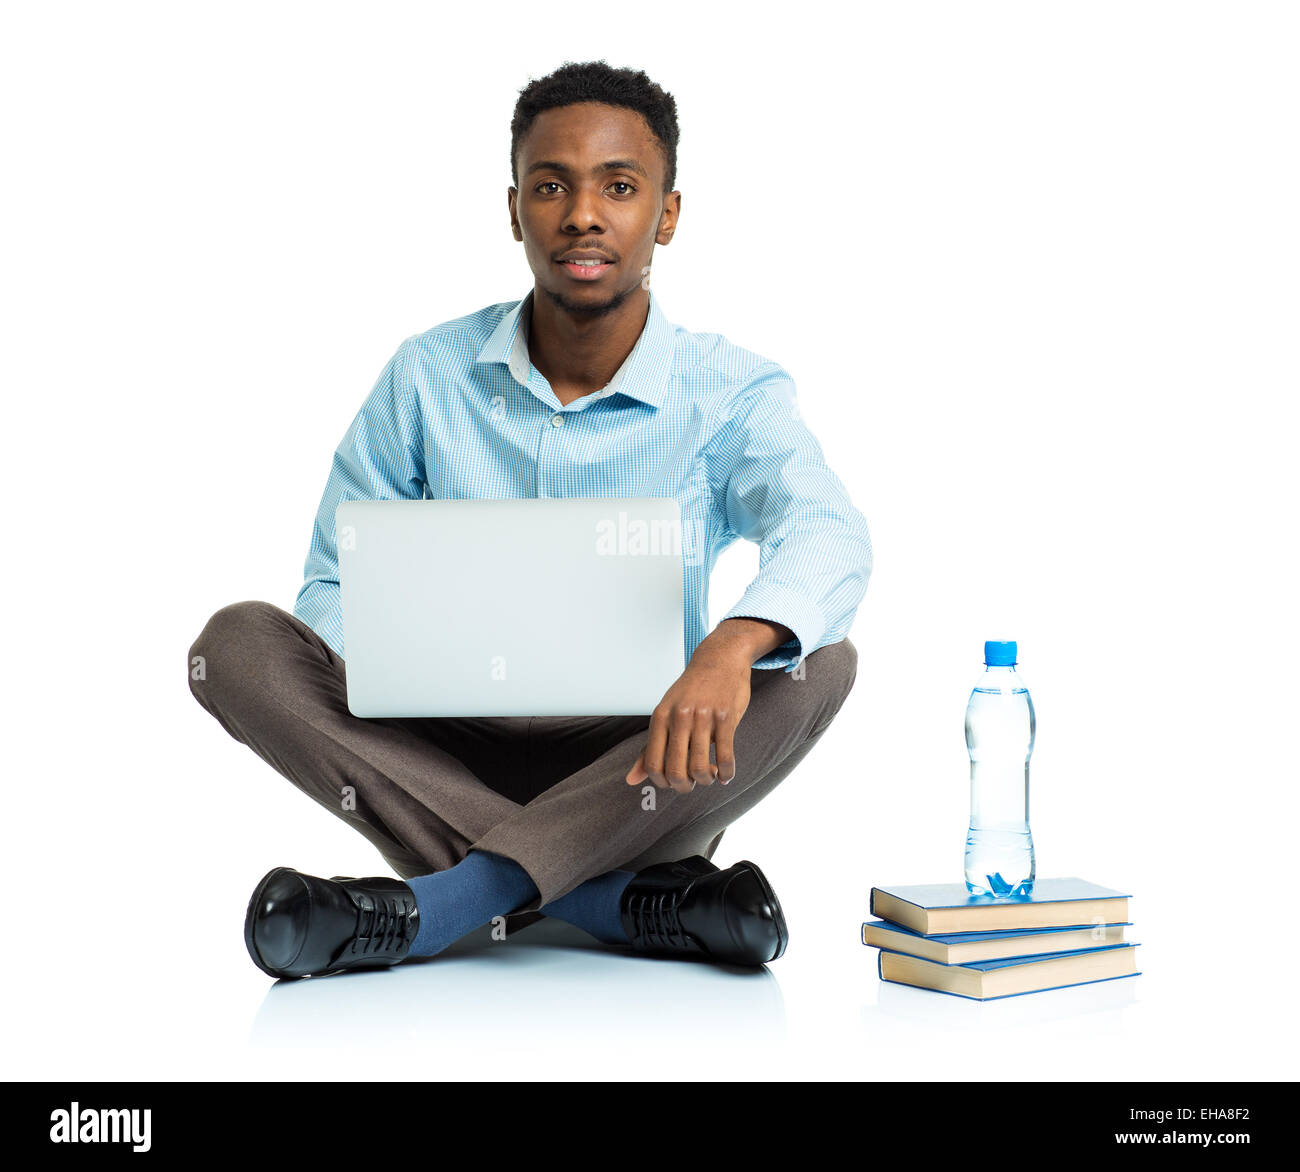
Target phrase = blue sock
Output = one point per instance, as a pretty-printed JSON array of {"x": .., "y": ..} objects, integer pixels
[
  {"x": 464, "y": 897},
  {"x": 593, "y": 907}
]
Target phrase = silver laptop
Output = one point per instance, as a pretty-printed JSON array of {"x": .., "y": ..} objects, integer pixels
[{"x": 540, "y": 607}]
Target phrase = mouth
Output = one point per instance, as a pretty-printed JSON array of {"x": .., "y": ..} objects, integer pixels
[{"x": 586, "y": 268}]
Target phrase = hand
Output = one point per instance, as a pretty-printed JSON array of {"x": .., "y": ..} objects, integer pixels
[{"x": 700, "y": 710}]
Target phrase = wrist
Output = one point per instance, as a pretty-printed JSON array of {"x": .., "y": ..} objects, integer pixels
[{"x": 743, "y": 640}]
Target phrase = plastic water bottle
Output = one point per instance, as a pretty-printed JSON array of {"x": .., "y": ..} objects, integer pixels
[{"x": 999, "y": 738}]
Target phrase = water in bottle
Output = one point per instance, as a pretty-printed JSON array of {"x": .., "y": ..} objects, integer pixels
[{"x": 999, "y": 738}]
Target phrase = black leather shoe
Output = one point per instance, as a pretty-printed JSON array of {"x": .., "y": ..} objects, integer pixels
[
  {"x": 692, "y": 907},
  {"x": 300, "y": 925}
]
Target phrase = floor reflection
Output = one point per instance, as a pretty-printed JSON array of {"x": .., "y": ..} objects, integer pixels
[
  {"x": 550, "y": 983},
  {"x": 902, "y": 1004}
]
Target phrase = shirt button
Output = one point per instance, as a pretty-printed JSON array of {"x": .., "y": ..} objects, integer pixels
[{"x": 557, "y": 420}]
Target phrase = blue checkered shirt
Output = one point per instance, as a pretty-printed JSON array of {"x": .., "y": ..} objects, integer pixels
[{"x": 461, "y": 413}]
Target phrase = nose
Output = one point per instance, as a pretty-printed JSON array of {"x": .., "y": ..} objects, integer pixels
[{"x": 584, "y": 213}]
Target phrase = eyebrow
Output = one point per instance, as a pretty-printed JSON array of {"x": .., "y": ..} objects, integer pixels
[{"x": 612, "y": 165}]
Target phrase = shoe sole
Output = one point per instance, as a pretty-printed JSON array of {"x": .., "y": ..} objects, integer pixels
[
  {"x": 782, "y": 931},
  {"x": 248, "y": 923}
]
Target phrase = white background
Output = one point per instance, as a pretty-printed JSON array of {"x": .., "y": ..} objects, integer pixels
[{"x": 1033, "y": 267}]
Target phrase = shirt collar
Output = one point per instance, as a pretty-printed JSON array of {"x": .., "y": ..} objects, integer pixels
[{"x": 644, "y": 374}]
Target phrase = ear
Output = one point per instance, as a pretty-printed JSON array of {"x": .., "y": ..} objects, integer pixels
[
  {"x": 512, "y": 196},
  {"x": 668, "y": 217}
]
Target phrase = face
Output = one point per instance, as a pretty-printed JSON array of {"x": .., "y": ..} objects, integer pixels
[{"x": 591, "y": 188}]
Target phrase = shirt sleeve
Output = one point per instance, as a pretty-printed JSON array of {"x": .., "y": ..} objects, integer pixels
[
  {"x": 380, "y": 458},
  {"x": 814, "y": 546}
]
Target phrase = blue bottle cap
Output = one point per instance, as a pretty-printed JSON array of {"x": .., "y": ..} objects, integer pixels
[{"x": 1000, "y": 654}]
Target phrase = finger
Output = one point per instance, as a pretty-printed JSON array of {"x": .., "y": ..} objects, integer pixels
[
  {"x": 638, "y": 773},
  {"x": 701, "y": 770},
  {"x": 679, "y": 741},
  {"x": 653, "y": 753},
  {"x": 725, "y": 748}
]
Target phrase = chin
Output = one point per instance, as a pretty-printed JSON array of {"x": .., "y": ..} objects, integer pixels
[{"x": 591, "y": 306}]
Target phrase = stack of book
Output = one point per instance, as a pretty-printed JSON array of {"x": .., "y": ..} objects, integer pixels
[{"x": 1065, "y": 932}]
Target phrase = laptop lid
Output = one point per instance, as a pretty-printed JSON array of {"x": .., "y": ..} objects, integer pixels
[{"x": 538, "y": 607}]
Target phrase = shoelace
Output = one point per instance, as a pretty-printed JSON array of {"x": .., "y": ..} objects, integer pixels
[
  {"x": 383, "y": 924},
  {"x": 656, "y": 920}
]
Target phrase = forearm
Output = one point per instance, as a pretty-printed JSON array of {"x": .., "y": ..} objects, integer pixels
[{"x": 742, "y": 640}]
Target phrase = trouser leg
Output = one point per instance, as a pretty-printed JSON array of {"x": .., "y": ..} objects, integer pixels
[
  {"x": 547, "y": 792},
  {"x": 277, "y": 687},
  {"x": 592, "y": 821}
]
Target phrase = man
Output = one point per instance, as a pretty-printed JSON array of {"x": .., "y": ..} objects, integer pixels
[{"x": 583, "y": 388}]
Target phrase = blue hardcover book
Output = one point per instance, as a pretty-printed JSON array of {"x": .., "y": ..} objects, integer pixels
[
  {"x": 988, "y": 980},
  {"x": 940, "y": 908},
  {"x": 965, "y": 947}
]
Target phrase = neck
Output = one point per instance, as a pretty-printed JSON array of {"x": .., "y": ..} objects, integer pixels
[{"x": 579, "y": 352}]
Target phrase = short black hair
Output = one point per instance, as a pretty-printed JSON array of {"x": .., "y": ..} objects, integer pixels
[{"x": 595, "y": 81}]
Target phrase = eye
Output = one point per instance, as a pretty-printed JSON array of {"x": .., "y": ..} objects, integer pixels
[
  {"x": 547, "y": 183},
  {"x": 623, "y": 183}
]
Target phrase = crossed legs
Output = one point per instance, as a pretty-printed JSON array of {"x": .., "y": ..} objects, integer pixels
[{"x": 547, "y": 794}]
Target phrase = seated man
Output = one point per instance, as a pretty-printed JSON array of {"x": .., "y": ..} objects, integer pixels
[{"x": 583, "y": 388}]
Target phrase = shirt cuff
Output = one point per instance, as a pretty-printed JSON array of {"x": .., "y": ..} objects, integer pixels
[
  {"x": 781, "y": 604},
  {"x": 318, "y": 608}
]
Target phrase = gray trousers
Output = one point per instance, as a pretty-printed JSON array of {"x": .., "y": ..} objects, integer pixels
[{"x": 548, "y": 792}]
